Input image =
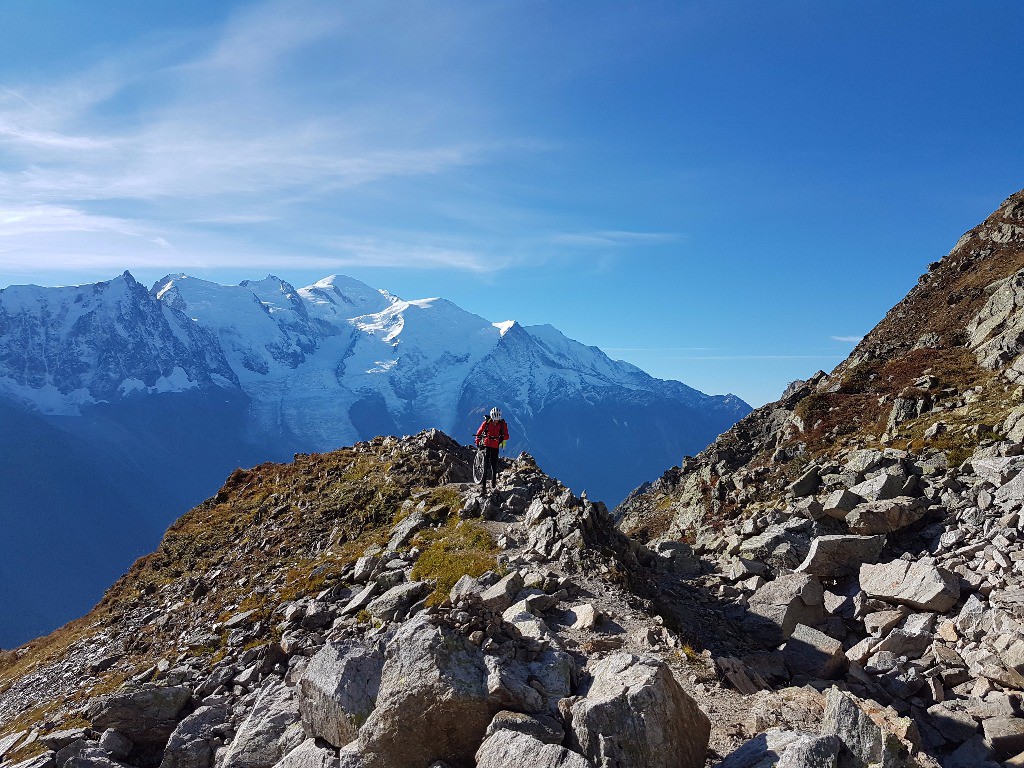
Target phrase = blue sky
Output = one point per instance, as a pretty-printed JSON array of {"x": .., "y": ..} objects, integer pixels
[{"x": 724, "y": 193}]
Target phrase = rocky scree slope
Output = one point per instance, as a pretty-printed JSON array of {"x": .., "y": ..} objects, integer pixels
[
  {"x": 867, "y": 526},
  {"x": 367, "y": 608}
]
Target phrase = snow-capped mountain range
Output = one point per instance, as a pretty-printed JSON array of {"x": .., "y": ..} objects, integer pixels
[{"x": 163, "y": 391}]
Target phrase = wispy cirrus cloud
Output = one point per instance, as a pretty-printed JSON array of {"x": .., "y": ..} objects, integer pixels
[
  {"x": 605, "y": 238},
  {"x": 225, "y": 135},
  {"x": 847, "y": 339}
]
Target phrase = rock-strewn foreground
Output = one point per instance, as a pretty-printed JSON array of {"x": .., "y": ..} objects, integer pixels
[
  {"x": 837, "y": 582},
  {"x": 367, "y": 608}
]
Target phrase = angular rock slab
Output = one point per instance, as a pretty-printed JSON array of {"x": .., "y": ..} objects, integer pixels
[
  {"x": 777, "y": 607},
  {"x": 879, "y": 488},
  {"x": 92, "y": 757},
  {"x": 432, "y": 703},
  {"x": 1006, "y": 735},
  {"x": 396, "y": 601},
  {"x": 272, "y": 730},
  {"x": 635, "y": 715},
  {"x": 147, "y": 716},
  {"x": 511, "y": 749},
  {"x": 10, "y": 741},
  {"x": 309, "y": 755},
  {"x": 831, "y": 554},
  {"x": 781, "y": 748},
  {"x": 813, "y": 653},
  {"x": 338, "y": 690},
  {"x": 864, "y": 741},
  {"x": 886, "y": 516},
  {"x": 541, "y": 727},
  {"x": 918, "y": 584},
  {"x": 192, "y": 743}
]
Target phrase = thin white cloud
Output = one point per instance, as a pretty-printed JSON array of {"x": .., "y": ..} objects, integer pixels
[
  {"x": 605, "y": 238},
  {"x": 222, "y": 130},
  {"x": 236, "y": 152},
  {"x": 48, "y": 219},
  {"x": 370, "y": 252},
  {"x": 847, "y": 339}
]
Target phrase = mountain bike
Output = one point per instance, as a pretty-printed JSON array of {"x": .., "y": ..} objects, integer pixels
[{"x": 479, "y": 463}]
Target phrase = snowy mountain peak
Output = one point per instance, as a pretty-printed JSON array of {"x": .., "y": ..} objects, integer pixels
[
  {"x": 331, "y": 363},
  {"x": 62, "y": 348},
  {"x": 338, "y": 297},
  {"x": 504, "y": 326}
]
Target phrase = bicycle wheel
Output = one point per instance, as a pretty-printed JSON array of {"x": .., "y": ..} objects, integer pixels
[{"x": 478, "y": 464}]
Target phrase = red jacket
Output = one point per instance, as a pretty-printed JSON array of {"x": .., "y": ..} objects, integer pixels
[{"x": 492, "y": 432}]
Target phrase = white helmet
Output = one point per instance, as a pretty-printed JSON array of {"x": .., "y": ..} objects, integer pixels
[{"x": 495, "y": 413}]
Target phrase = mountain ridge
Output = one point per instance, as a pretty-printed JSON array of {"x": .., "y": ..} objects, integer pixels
[
  {"x": 837, "y": 580},
  {"x": 197, "y": 378}
]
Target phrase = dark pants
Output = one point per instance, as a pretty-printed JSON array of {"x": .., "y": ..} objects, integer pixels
[{"x": 490, "y": 466}]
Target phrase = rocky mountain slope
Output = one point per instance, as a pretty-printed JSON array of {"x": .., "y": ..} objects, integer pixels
[
  {"x": 367, "y": 608},
  {"x": 112, "y": 395},
  {"x": 876, "y": 510},
  {"x": 837, "y": 581}
]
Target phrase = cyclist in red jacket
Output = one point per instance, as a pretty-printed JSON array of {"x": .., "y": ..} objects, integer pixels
[{"x": 493, "y": 433}]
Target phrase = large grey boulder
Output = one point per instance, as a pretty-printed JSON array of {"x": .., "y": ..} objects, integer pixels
[
  {"x": 840, "y": 503},
  {"x": 1012, "y": 492},
  {"x": 830, "y": 556},
  {"x": 508, "y": 686},
  {"x": 272, "y": 730},
  {"x": 782, "y": 748},
  {"x": 780, "y": 546},
  {"x": 92, "y": 757},
  {"x": 541, "y": 727},
  {"x": 807, "y": 483},
  {"x": 813, "y": 653},
  {"x": 309, "y": 754},
  {"x": 117, "y": 745},
  {"x": 350, "y": 756},
  {"x": 998, "y": 470},
  {"x": 512, "y": 749},
  {"x": 57, "y": 740},
  {"x": 865, "y": 743},
  {"x": 864, "y": 460},
  {"x": 1005, "y": 734},
  {"x": 919, "y": 584},
  {"x": 996, "y": 332},
  {"x": 777, "y": 607},
  {"x": 338, "y": 690},
  {"x": 886, "y": 516},
  {"x": 432, "y": 703},
  {"x": 500, "y": 596},
  {"x": 879, "y": 488},
  {"x": 147, "y": 716},
  {"x": 192, "y": 743},
  {"x": 394, "y": 603},
  {"x": 636, "y": 715}
]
